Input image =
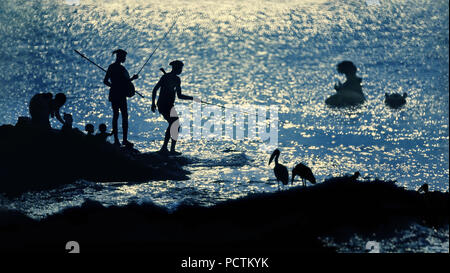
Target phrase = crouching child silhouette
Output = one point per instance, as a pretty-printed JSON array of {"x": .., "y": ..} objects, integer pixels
[
  {"x": 42, "y": 106},
  {"x": 89, "y": 128},
  {"x": 67, "y": 129},
  {"x": 170, "y": 85},
  {"x": 68, "y": 121},
  {"x": 102, "y": 135}
]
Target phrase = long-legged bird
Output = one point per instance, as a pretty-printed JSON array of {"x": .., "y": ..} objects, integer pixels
[
  {"x": 304, "y": 172},
  {"x": 280, "y": 171}
]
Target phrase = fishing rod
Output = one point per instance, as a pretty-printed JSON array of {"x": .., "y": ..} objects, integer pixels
[
  {"x": 205, "y": 102},
  {"x": 86, "y": 58},
  {"x": 226, "y": 108},
  {"x": 164, "y": 37},
  {"x": 104, "y": 70}
]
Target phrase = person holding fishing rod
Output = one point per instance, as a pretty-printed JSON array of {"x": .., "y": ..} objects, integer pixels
[
  {"x": 170, "y": 85},
  {"x": 121, "y": 87}
]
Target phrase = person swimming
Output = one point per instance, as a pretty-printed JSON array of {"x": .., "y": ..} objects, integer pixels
[
  {"x": 350, "y": 92},
  {"x": 395, "y": 100},
  {"x": 170, "y": 85},
  {"x": 119, "y": 81}
]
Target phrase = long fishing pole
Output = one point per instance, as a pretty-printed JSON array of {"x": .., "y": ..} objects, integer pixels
[
  {"x": 226, "y": 108},
  {"x": 205, "y": 102},
  {"x": 162, "y": 39},
  {"x": 86, "y": 58},
  {"x": 104, "y": 70}
]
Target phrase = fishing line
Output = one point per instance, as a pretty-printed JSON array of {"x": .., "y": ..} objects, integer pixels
[{"x": 162, "y": 39}]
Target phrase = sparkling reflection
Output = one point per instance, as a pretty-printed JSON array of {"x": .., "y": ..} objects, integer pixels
[{"x": 253, "y": 52}]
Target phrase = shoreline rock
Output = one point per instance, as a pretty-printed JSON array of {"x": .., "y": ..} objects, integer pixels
[
  {"x": 34, "y": 159},
  {"x": 287, "y": 221}
]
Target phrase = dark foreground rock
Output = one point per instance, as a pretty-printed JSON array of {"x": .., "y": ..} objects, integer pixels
[
  {"x": 286, "y": 221},
  {"x": 33, "y": 159}
]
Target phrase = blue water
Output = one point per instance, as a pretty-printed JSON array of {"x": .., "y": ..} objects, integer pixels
[{"x": 279, "y": 53}]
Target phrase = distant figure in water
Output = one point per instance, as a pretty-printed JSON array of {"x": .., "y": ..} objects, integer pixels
[
  {"x": 170, "y": 85},
  {"x": 395, "y": 100},
  {"x": 89, "y": 128},
  {"x": 304, "y": 172},
  {"x": 103, "y": 135},
  {"x": 350, "y": 92},
  {"x": 121, "y": 87},
  {"x": 280, "y": 171},
  {"x": 42, "y": 106}
]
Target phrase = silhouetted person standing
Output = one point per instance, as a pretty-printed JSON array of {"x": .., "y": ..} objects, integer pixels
[
  {"x": 119, "y": 81},
  {"x": 170, "y": 85},
  {"x": 42, "y": 106}
]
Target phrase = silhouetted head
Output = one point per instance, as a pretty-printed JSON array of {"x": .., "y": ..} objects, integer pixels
[
  {"x": 102, "y": 127},
  {"x": 346, "y": 67},
  {"x": 276, "y": 154},
  {"x": 405, "y": 95},
  {"x": 89, "y": 128},
  {"x": 121, "y": 55},
  {"x": 47, "y": 96},
  {"x": 177, "y": 66},
  {"x": 60, "y": 99},
  {"x": 356, "y": 175}
]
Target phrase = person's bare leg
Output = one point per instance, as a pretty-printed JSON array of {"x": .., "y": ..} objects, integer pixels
[
  {"x": 166, "y": 140},
  {"x": 124, "y": 112},
  {"x": 114, "y": 124},
  {"x": 174, "y": 130}
]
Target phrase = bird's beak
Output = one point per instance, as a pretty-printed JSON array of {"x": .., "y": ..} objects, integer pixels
[{"x": 271, "y": 158}]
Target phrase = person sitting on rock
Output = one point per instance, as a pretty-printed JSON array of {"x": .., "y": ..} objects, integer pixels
[
  {"x": 42, "y": 106},
  {"x": 67, "y": 128},
  {"x": 68, "y": 121},
  {"x": 102, "y": 134},
  {"x": 89, "y": 128}
]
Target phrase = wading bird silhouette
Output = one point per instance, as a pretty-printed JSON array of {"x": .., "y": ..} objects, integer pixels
[
  {"x": 304, "y": 172},
  {"x": 280, "y": 171}
]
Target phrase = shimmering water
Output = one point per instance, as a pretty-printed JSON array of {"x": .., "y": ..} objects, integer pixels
[{"x": 243, "y": 52}]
